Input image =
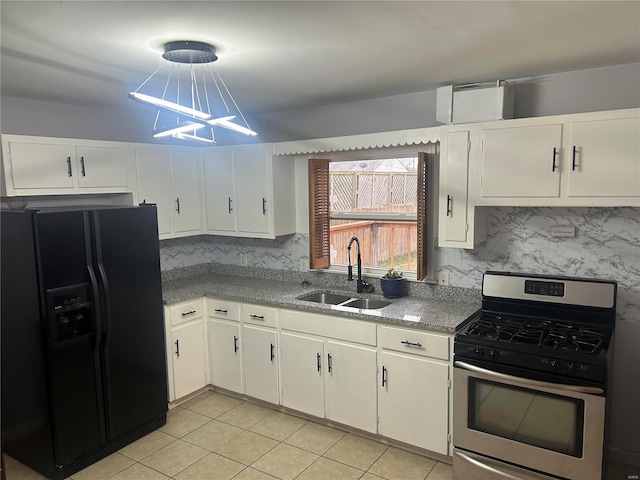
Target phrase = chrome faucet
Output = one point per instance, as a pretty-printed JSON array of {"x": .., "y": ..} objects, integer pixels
[{"x": 361, "y": 285}]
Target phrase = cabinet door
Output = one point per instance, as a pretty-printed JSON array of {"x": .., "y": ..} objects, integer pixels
[
  {"x": 605, "y": 158},
  {"x": 260, "y": 363},
  {"x": 41, "y": 165},
  {"x": 520, "y": 161},
  {"x": 413, "y": 403},
  {"x": 301, "y": 374},
  {"x": 101, "y": 167},
  {"x": 154, "y": 184},
  {"x": 454, "y": 188},
  {"x": 224, "y": 354},
  {"x": 220, "y": 199},
  {"x": 188, "y": 358},
  {"x": 251, "y": 180},
  {"x": 351, "y": 385},
  {"x": 185, "y": 179}
]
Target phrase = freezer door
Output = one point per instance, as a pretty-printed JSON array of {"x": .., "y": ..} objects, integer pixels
[
  {"x": 128, "y": 266},
  {"x": 63, "y": 245}
]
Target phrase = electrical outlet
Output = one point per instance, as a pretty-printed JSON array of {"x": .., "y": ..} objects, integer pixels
[
  {"x": 443, "y": 278},
  {"x": 244, "y": 259},
  {"x": 304, "y": 264}
]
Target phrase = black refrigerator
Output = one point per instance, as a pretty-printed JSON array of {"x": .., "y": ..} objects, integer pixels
[{"x": 83, "y": 359}]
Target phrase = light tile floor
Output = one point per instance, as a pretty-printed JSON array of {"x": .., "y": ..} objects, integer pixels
[{"x": 217, "y": 437}]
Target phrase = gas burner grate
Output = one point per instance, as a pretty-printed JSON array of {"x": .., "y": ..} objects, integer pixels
[{"x": 539, "y": 332}]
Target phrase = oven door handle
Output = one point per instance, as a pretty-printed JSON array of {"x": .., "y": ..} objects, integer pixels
[{"x": 526, "y": 381}]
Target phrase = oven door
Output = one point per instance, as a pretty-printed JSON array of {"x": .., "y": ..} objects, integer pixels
[{"x": 547, "y": 427}]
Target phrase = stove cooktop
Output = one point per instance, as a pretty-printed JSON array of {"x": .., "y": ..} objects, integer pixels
[{"x": 545, "y": 334}]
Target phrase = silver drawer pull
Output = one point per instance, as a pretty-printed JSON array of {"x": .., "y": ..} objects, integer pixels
[
  {"x": 221, "y": 310},
  {"x": 407, "y": 343},
  {"x": 259, "y": 317},
  {"x": 190, "y": 312}
]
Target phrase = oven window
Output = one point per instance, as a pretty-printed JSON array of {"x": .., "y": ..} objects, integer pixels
[{"x": 528, "y": 416}]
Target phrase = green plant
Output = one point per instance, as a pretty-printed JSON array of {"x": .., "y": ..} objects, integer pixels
[{"x": 393, "y": 274}]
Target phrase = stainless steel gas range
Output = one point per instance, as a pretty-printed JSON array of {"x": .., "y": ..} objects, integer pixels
[{"x": 530, "y": 379}]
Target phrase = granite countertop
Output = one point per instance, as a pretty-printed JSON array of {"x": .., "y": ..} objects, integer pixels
[{"x": 425, "y": 313}]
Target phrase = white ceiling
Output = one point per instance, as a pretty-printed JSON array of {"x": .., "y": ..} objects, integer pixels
[{"x": 277, "y": 56}]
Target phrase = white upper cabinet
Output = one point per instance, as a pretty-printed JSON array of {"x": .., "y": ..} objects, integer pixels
[
  {"x": 589, "y": 159},
  {"x": 521, "y": 161},
  {"x": 101, "y": 167},
  {"x": 248, "y": 192},
  {"x": 460, "y": 224},
  {"x": 605, "y": 158},
  {"x": 171, "y": 179},
  {"x": 55, "y": 166}
]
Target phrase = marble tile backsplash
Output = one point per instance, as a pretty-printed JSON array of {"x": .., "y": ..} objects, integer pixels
[{"x": 607, "y": 245}]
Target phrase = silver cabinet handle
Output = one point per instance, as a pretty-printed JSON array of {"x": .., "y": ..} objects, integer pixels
[
  {"x": 84, "y": 173},
  {"x": 553, "y": 162},
  {"x": 221, "y": 310},
  {"x": 574, "y": 151},
  {"x": 230, "y": 209},
  {"x": 264, "y": 206},
  {"x": 273, "y": 352},
  {"x": 318, "y": 357},
  {"x": 449, "y": 204},
  {"x": 407, "y": 343},
  {"x": 190, "y": 312},
  {"x": 235, "y": 344},
  {"x": 384, "y": 375},
  {"x": 526, "y": 381},
  {"x": 177, "y": 342},
  {"x": 178, "y": 205},
  {"x": 259, "y": 317},
  {"x": 69, "y": 171},
  {"x": 329, "y": 363}
]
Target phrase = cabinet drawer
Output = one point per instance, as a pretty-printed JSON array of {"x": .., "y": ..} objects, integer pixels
[
  {"x": 414, "y": 342},
  {"x": 223, "y": 309},
  {"x": 184, "y": 312},
  {"x": 259, "y": 315}
]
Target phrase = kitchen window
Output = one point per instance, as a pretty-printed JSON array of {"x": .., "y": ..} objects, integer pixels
[{"x": 384, "y": 199}]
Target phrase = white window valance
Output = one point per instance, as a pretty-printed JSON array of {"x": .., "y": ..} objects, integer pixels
[{"x": 400, "y": 138}]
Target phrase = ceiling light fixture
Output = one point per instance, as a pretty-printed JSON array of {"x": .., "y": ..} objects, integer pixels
[{"x": 193, "y": 96}]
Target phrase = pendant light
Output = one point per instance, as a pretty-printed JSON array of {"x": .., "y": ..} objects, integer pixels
[{"x": 194, "y": 99}]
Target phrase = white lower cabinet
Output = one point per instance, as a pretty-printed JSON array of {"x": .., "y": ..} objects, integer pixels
[
  {"x": 392, "y": 381},
  {"x": 413, "y": 388},
  {"x": 328, "y": 368},
  {"x": 186, "y": 352},
  {"x": 301, "y": 373},
  {"x": 188, "y": 358},
  {"x": 225, "y": 354},
  {"x": 351, "y": 385},
  {"x": 260, "y": 346}
]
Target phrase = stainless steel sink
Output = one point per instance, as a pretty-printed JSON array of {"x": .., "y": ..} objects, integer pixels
[
  {"x": 366, "y": 303},
  {"x": 325, "y": 297},
  {"x": 342, "y": 301}
]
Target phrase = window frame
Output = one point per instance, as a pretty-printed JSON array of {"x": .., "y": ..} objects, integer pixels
[{"x": 425, "y": 217}]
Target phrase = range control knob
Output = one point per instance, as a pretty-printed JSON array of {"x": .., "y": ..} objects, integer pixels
[
  {"x": 494, "y": 354},
  {"x": 478, "y": 351},
  {"x": 555, "y": 365},
  {"x": 571, "y": 368}
]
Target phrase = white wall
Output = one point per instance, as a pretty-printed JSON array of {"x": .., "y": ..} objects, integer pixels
[{"x": 606, "y": 88}]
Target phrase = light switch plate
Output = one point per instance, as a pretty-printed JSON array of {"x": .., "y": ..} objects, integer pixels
[{"x": 563, "y": 231}]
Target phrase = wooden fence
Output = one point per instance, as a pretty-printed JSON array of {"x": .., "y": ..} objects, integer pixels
[{"x": 381, "y": 242}]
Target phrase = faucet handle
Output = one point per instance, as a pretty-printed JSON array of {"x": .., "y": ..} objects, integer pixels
[
  {"x": 349, "y": 273},
  {"x": 367, "y": 288}
]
